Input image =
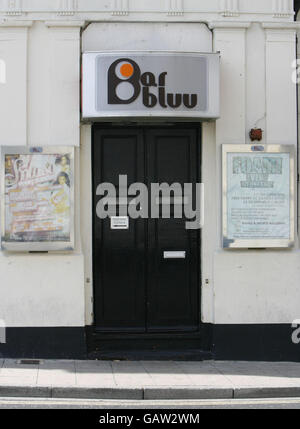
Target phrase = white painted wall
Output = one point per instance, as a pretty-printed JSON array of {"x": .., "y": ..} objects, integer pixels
[
  {"x": 298, "y": 57},
  {"x": 149, "y": 10},
  {"x": 255, "y": 286},
  {"x": 281, "y": 104},
  {"x": 13, "y": 91},
  {"x": 40, "y": 44},
  {"x": 53, "y": 84},
  {"x": 255, "y": 80},
  {"x": 86, "y": 208},
  {"x": 147, "y": 36},
  {"x": 39, "y": 106},
  {"x": 210, "y": 231},
  {"x": 42, "y": 290}
]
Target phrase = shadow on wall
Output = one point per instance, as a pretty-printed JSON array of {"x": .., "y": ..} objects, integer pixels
[{"x": 296, "y": 8}]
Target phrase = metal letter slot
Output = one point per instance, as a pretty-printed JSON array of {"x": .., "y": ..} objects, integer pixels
[
  {"x": 119, "y": 222},
  {"x": 175, "y": 255}
]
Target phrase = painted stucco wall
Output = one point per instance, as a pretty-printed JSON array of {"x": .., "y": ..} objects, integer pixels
[
  {"x": 39, "y": 106},
  {"x": 40, "y": 44}
]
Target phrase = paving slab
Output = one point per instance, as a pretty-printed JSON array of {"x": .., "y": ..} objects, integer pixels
[
  {"x": 18, "y": 381},
  {"x": 12, "y": 367},
  {"x": 291, "y": 371},
  {"x": 56, "y": 373},
  {"x": 204, "y": 375},
  {"x": 13, "y": 372},
  {"x": 166, "y": 373},
  {"x": 131, "y": 374},
  {"x": 257, "y": 374},
  {"x": 93, "y": 374}
]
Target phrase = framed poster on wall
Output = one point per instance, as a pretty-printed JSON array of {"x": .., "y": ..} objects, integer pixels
[
  {"x": 37, "y": 192},
  {"x": 258, "y": 196}
]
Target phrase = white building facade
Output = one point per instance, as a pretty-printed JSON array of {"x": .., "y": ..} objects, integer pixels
[{"x": 248, "y": 299}]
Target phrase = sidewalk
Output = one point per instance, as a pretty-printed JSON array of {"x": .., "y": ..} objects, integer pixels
[{"x": 149, "y": 380}]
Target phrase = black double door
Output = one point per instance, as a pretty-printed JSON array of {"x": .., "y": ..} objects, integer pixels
[{"x": 146, "y": 277}]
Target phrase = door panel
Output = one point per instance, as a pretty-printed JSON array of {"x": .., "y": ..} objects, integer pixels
[
  {"x": 136, "y": 288},
  {"x": 172, "y": 294},
  {"x": 119, "y": 255}
]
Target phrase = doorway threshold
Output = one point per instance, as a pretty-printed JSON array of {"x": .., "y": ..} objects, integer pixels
[
  {"x": 194, "y": 346},
  {"x": 152, "y": 355}
]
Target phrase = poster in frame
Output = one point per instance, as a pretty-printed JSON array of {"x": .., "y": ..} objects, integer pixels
[
  {"x": 37, "y": 199},
  {"x": 259, "y": 183}
]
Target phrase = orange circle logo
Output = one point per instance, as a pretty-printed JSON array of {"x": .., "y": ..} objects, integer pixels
[{"x": 126, "y": 70}]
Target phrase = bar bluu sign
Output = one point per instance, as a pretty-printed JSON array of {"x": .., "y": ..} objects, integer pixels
[{"x": 144, "y": 84}]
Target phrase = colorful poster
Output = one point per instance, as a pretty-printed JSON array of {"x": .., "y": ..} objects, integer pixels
[{"x": 38, "y": 197}]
